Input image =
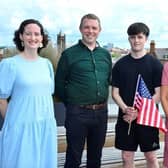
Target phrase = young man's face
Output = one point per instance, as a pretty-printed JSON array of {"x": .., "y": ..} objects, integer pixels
[{"x": 137, "y": 42}]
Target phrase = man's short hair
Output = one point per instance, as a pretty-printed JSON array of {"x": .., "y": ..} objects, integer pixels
[
  {"x": 137, "y": 28},
  {"x": 90, "y": 16}
]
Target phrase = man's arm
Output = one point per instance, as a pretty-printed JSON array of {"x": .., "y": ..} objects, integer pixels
[{"x": 61, "y": 79}]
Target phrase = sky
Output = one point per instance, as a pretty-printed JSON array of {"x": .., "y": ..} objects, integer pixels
[{"x": 65, "y": 15}]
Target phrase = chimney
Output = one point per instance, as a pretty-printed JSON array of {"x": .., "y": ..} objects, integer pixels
[
  {"x": 152, "y": 49},
  {"x": 1, "y": 54}
]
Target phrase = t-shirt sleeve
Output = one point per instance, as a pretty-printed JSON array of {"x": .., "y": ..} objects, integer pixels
[
  {"x": 115, "y": 76},
  {"x": 165, "y": 74},
  {"x": 7, "y": 77}
]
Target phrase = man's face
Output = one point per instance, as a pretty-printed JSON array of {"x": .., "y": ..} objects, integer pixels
[
  {"x": 137, "y": 42},
  {"x": 90, "y": 30}
]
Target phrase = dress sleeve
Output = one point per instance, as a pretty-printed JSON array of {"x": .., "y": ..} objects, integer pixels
[
  {"x": 51, "y": 75},
  {"x": 7, "y": 77}
]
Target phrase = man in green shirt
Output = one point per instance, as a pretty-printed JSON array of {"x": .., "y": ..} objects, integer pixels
[{"x": 82, "y": 81}]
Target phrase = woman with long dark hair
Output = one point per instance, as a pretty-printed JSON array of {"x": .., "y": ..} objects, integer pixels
[{"x": 28, "y": 137}]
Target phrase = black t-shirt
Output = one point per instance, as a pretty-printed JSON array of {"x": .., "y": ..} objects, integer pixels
[{"x": 125, "y": 74}]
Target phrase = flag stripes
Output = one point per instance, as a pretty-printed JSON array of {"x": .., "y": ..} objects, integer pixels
[{"x": 148, "y": 113}]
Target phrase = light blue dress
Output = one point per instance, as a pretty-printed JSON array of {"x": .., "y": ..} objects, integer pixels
[{"x": 28, "y": 138}]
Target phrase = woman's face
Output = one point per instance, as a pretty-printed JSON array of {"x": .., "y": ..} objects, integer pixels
[{"x": 31, "y": 36}]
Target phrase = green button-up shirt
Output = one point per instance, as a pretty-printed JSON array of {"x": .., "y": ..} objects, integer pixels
[{"x": 83, "y": 76}]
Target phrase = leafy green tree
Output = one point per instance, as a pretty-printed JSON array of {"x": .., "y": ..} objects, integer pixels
[{"x": 50, "y": 52}]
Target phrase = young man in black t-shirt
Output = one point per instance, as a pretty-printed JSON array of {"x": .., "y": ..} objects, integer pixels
[{"x": 124, "y": 79}]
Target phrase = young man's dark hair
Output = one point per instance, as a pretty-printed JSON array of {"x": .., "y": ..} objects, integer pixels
[{"x": 137, "y": 28}]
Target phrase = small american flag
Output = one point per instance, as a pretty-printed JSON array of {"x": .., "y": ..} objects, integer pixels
[{"x": 148, "y": 113}]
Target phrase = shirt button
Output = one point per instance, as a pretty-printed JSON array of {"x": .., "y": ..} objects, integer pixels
[
  {"x": 98, "y": 93},
  {"x": 98, "y": 82}
]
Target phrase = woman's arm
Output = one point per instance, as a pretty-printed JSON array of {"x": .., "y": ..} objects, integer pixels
[
  {"x": 164, "y": 98},
  {"x": 156, "y": 96},
  {"x": 3, "y": 107}
]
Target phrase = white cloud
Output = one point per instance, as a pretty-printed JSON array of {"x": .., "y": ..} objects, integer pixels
[
  {"x": 65, "y": 15},
  {"x": 45, "y": 20}
]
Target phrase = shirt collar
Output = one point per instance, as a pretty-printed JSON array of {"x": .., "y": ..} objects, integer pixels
[{"x": 83, "y": 45}]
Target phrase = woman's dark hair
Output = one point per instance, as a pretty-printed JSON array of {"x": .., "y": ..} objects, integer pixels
[
  {"x": 17, "y": 33},
  {"x": 137, "y": 28}
]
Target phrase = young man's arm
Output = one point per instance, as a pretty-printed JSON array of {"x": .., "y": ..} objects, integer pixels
[
  {"x": 118, "y": 100},
  {"x": 130, "y": 112}
]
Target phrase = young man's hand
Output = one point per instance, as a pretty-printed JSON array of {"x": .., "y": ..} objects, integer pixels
[{"x": 130, "y": 114}]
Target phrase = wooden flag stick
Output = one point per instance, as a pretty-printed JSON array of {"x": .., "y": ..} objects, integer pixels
[{"x": 129, "y": 128}]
